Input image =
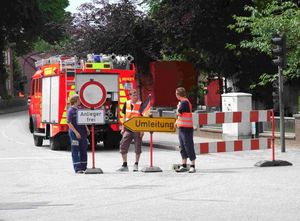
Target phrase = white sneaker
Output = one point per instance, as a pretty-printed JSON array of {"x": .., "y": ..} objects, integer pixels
[
  {"x": 123, "y": 169},
  {"x": 135, "y": 167},
  {"x": 181, "y": 169},
  {"x": 192, "y": 170}
]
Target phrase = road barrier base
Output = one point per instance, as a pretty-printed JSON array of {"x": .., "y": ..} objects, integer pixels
[
  {"x": 93, "y": 171},
  {"x": 272, "y": 163},
  {"x": 151, "y": 169}
]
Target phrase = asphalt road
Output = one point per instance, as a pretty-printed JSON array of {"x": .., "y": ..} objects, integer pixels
[{"x": 39, "y": 184}]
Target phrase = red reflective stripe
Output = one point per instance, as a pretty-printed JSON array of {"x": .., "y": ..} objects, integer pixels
[
  {"x": 220, "y": 116},
  {"x": 253, "y": 116},
  {"x": 237, "y": 117},
  {"x": 269, "y": 143},
  {"x": 254, "y": 144},
  {"x": 238, "y": 145},
  {"x": 134, "y": 112},
  {"x": 185, "y": 120},
  {"x": 221, "y": 146},
  {"x": 203, "y": 119},
  {"x": 203, "y": 148}
]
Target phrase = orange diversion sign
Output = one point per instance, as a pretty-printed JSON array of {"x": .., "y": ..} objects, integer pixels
[{"x": 156, "y": 124}]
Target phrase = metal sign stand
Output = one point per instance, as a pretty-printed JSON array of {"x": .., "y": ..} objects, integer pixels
[
  {"x": 88, "y": 104},
  {"x": 93, "y": 170},
  {"x": 152, "y": 168},
  {"x": 273, "y": 162}
]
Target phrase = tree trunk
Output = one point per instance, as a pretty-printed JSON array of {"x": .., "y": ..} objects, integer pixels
[
  {"x": 3, "y": 74},
  {"x": 220, "y": 88}
]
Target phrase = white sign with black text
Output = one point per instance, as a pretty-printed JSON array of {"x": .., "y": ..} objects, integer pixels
[{"x": 85, "y": 116}]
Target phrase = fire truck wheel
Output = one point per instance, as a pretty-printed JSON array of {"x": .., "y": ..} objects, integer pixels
[
  {"x": 54, "y": 143},
  {"x": 31, "y": 125},
  {"x": 96, "y": 141},
  {"x": 38, "y": 141},
  {"x": 112, "y": 140}
]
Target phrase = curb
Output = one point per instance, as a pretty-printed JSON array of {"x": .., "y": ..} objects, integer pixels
[
  {"x": 162, "y": 146},
  {"x": 13, "y": 109}
]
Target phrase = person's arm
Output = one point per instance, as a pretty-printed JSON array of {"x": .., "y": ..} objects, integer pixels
[
  {"x": 184, "y": 107},
  {"x": 74, "y": 130},
  {"x": 124, "y": 108},
  {"x": 87, "y": 130},
  {"x": 124, "y": 112},
  {"x": 71, "y": 126}
]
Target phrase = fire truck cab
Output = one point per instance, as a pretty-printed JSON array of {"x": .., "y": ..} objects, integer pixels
[{"x": 58, "y": 77}]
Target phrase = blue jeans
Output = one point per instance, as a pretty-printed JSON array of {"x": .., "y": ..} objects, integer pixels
[
  {"x": 79, "y": 151},
  {"x": 186, "y": 143}
]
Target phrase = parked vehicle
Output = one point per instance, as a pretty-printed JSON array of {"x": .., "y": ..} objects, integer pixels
[{"x": 58, "y": 77}]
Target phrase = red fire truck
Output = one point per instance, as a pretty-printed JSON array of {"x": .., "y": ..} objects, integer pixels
[{"x": 58, "y": 77}]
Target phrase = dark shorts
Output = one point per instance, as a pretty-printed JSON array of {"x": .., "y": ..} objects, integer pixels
[
  {"x": 127, "y": 138},
  {"x": 186, "y": 141}
]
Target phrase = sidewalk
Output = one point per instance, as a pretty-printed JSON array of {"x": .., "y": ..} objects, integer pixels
[{"x": 14, "y": 105}]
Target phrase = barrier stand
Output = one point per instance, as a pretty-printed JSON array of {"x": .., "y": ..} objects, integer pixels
[
  {"x": 91, "y": 101},
  {"x": 151, "y": 124},
  {"x": 240, "y": 144},
  {"x": 151, "y": 168},
  {"x": 93, "y": 170},
  {"x": 273, "y": 162}
]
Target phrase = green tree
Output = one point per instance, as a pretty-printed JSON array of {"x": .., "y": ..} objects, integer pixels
[
  {"x": 118, "y": 28},
  {"x": 22, "y": 22},
  {"x": 265, "y": 20}
]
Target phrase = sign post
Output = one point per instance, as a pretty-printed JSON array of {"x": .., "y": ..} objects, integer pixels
[
  {"x": 92, "y": 95},
  {"x": 151, "y": 124}
]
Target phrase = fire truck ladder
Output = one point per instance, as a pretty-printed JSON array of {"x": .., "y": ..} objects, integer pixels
[{"x": 65, "y": 63}]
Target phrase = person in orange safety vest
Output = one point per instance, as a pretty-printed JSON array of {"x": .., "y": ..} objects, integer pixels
[
  {"x": 131, "y": 109},
  {"x": 184, "y": 123}
]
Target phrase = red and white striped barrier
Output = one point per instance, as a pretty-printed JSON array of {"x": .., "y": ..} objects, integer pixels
[
  {"x": 233, "y": 117},
  {"x": 230, "y": 146}
]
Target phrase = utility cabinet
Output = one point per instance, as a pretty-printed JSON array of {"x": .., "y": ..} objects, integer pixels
[{"x": 236, "y": 102}]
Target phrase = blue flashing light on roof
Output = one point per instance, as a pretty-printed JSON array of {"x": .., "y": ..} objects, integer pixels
[{"x": 97, "y": 58}]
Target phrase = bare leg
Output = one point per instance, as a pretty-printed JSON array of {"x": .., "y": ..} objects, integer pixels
[
  {"x": 137, "y": 157},
  {"x": 124, "y": 157}
]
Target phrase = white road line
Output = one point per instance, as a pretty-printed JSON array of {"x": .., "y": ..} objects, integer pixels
[{"x": 33, "y": 158}]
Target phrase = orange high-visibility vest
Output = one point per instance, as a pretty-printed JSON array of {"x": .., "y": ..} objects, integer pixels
[
  {"x": 185, "y": 119},
  {"x": 135, "y": 112}
]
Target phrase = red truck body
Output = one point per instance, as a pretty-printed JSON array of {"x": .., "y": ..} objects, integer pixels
[{"x": 58, "y": 78}]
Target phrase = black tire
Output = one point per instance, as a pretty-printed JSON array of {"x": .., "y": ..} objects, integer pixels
[
  {"x": 38, "y": 140},
  {"x": 60, "y": 142},
  {"x": 112, "y": 140},
  {"x": 31, "y": 125},
  {"x": 54, "y": 143},
  {"x": 65, "y": 142}
]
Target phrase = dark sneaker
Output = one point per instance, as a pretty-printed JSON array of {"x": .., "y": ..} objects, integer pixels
[
  {"x": 123, "y": 169},
  {"x": 181, "y": 169},
  {"x": 79, "y": 171},
  {"x": 135, "y": 167},
  {"x": 192, "y": 170}
]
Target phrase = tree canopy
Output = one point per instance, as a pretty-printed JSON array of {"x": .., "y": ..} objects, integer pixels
[
  {"x": 119, "y": 28},
  {"x": 23, "y": 22},
  {"x": 262, "y": 23}
]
